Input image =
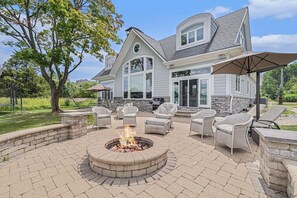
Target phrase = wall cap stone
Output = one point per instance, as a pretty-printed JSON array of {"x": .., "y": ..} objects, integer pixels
[
  {"x": 18, "y": 134},
  {"x": 281, "y": 136}
]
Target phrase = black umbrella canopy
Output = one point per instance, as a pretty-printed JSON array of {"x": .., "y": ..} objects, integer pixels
[{"x": 251, "y": 62}]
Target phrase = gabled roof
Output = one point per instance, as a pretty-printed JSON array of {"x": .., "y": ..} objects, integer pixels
[
  {"x": 224, "y": 38},
  {"x": 103, "y": 72}
]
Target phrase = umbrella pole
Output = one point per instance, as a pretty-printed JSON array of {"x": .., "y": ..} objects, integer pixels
[{"x": 258, "y": 96}]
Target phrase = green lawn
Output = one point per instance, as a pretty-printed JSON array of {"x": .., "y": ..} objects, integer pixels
[
  {"x": 13, "y": 122},
  {"x": 289, "y": 127}
]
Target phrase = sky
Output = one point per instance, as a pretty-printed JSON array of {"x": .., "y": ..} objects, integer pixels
[{"x": 273, "y": 24}]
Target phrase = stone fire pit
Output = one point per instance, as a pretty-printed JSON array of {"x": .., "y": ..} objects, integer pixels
[{"x": 107, "y": 162}]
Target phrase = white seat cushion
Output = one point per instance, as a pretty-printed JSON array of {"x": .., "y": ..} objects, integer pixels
[
  {"x": 103, "y": 116},
  {"x": 156, "y": 121},
  {"x": 197, "y": 121},
  {"x": 130, "y": 115},
  {"x": 227, "y": 128},
  {"x": 163, "y": 116}
]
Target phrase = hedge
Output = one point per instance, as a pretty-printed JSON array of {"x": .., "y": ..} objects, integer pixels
[{"x": 290, "y": 97}]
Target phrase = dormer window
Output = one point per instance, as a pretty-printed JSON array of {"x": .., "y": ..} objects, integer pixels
[
  {"x": 192, "y": 34},
  {"x": 242, "y": 36}
]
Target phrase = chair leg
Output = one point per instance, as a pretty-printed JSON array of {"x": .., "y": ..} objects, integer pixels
[
  {"x": 190, "y": 129},
  {"x": 248, "y": 143}
]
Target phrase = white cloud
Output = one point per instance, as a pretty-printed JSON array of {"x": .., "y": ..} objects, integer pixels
[
  {"x": 279, "y": 9},
  {"x": 275, "y": 42},
  {"x": 218, "y": 11}
]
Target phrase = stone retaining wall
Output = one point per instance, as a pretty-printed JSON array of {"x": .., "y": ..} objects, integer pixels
[
  {"x": 12, "y": 144},
  {"x": 73, "y": 125},
  {"x": 275, "y": 147},
  {"x": 292, "y": 177}
]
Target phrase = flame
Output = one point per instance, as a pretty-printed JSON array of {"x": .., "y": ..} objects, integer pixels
[{"x": 126, "y": 138}]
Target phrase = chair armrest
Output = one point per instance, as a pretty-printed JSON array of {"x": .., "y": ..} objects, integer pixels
[{"x": 196, "y": 115}]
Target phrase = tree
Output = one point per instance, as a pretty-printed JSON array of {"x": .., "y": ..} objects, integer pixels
[
  {"x": 55, "y": 35},
  {"x": 22, "y": 75},
  {"x": 84, "y": 93},
  {"x": 272, "y": 80}
]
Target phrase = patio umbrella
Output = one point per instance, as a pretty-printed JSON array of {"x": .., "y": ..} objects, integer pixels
[
  {"x": 251, "y": 62},
  {"x": 97, "y": 88}
]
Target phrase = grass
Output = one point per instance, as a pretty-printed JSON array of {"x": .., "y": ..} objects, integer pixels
[
  {"x": 289, "y": 127},
  {"x": 18, "y": 121}
]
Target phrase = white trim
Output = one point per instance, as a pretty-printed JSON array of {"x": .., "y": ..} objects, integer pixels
[
  {"x": 207, "y": 76},
  {"x": 148, "y": 44},
  {"x": 241, "y": 25},
  {"x": 201, "y": 57},
  {"x": 134, "y": 47},
  {"x": 144, "y": 72},
  {"x": 208, "y": 105}
]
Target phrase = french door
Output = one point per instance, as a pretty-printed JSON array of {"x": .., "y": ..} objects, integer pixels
[{"x": 191, "y": 92}]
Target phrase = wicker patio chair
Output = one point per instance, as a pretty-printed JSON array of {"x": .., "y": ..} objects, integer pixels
[
  {"x": 202, "y": 122},
  {"x": 233, "y": 131},
  {"x": 119, "y": 110},
  {"x": 102, "y": 116},
  {"x": 129, "y": 115},
  {"x": 166, "y": 111}
]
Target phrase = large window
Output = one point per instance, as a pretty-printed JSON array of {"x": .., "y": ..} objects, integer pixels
[
  {"x": 237, "y": 83},
  {"x": 192, "y": 34},
  {"x": 138, "y": 78}
]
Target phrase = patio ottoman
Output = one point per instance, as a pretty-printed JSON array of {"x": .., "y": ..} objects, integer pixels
[{"x": 157, "y": 125}]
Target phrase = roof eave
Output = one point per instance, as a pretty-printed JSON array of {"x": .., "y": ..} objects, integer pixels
[{"x": 200, "y": 57}]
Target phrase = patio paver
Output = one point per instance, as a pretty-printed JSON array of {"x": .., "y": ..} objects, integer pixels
[{"x": 200, "y": 170}]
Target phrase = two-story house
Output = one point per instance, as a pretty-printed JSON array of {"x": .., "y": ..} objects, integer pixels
[{"x": 178, "y": 68}]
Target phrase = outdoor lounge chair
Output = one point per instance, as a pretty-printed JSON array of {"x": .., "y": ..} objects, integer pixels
[
  {"x": 267, "y": 120},
  {"x": 202, "y": 122},
  {"x": 252, "y": 111},
  {"x": 129, "y": 115},
  {"x": 119, "y": 110},
  {"x": 166, "y": 111},
  {"x": 233, "y": 131},
  {"x": 102, "y": 116}
]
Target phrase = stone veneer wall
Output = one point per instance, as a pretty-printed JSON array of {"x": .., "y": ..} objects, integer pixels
[
  {"x": 12, "y": 144},
  {"x": 222, "y": 104},
  {"x": 141, "y": 104},
  {"x": 275, "y": 147}
]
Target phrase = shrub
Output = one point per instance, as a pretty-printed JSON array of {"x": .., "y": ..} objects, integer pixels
[{"x": 290, "y": 97}]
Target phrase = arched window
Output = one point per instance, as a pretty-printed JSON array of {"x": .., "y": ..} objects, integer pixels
[{"x": 138, "y": 78}]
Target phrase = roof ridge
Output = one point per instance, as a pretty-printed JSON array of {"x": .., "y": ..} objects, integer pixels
[{"x": 246, "y": 7}]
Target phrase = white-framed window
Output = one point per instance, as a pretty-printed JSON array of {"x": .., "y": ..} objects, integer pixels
[
  {"x": 136, "y": 48},
  {"x": 138, "y": 78},
  {"x": 192, "y": 34},
  {"x": 237, "y": 83},
  {"x": 248, "y": 85}
]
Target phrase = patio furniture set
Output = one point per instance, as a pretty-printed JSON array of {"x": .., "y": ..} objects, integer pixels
[{"x": 232, "y": 130}]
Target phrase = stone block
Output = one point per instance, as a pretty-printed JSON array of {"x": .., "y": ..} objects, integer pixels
[
  {"x": 9, "y": 150},
  {"x": 124, "y": 174},
  {"x": 140, "y": 172}
]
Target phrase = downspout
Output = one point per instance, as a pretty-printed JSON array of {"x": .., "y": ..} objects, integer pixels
[{"x": 231, "y": 103}]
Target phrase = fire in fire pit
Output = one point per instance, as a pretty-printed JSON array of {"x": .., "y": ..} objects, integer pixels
[{"x": 127, "y": 142}]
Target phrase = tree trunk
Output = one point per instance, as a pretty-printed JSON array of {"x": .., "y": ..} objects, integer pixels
[{"x": 55, "y": 96}]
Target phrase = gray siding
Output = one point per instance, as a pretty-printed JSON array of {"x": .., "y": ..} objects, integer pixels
[
  {"x": 243, "y": 87},
  {"x": 160, "y": 76},
  {"x": 220, "y": 84}
]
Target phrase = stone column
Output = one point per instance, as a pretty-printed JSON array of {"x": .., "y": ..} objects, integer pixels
[
  {"x": 275, "y": 146},
  {"x": 77, "y": 121}
]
